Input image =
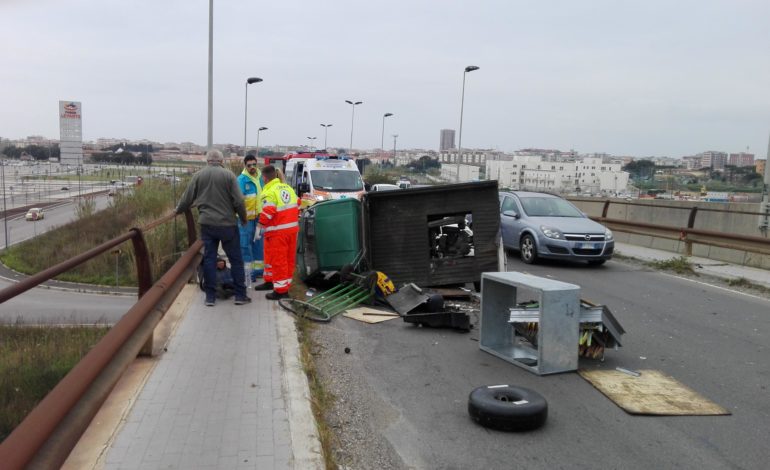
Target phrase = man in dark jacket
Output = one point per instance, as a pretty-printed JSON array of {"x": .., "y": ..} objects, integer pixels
[{"x": 214, "y": 191}]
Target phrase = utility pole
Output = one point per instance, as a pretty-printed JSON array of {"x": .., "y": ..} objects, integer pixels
[{"x": 764, "y": 219}]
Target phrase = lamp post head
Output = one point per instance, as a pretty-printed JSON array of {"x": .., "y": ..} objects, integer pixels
[
  {"x": 251, "y": 80},
  {"x": 357, "y": 102},
  {"x": 326, "y": 125},
  {"x": 387, "y": 115},
  {"x": 471, "y": 68},
  {"x": 348, "y": 102},
  {"x": 262, "y": 129}
]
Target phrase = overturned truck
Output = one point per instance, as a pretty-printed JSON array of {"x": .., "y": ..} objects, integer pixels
[{"x": 430, "y": 236}]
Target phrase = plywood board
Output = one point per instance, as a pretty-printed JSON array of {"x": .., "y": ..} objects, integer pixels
[
  {"x": 370, "y": 315},
  {"x": 652, "y": 393}
]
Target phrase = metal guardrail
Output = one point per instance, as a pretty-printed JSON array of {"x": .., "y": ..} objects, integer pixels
[
  {"x": 50, "y": 431},
  {"x": 689, "y": 235}
]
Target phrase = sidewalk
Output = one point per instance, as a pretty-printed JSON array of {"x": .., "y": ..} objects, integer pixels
[
  {"x": 705, "y": 266},
  {"x": 228, "y": 393}
]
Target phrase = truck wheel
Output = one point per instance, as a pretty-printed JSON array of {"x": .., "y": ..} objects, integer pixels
[{"x": 507, "y": 408}]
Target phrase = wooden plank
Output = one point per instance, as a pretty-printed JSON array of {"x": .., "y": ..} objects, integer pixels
[
  {"x": 370, "y": 314},
  {"x": 652, "y": 393}
]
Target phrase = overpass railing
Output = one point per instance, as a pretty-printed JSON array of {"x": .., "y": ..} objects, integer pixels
[
  {"x": 50, "y": 431},
  {"x": 687, "y": 233}
]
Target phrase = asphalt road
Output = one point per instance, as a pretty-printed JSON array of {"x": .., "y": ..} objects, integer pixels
[
  {"x": 416, "y": 382},
  {"x": 20, "y": 229},
  {"x": 54, "y": 306}
]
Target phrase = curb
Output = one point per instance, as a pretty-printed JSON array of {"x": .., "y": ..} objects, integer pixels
[{"x": 305, "y": 443}]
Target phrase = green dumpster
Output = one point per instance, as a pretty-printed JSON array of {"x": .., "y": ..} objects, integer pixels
[{"x": 330, "y": 236}]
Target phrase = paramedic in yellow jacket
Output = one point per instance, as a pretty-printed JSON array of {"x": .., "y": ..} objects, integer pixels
[
  {"x": 250, "y": 182},
  {"x": 279, "y": 224}
]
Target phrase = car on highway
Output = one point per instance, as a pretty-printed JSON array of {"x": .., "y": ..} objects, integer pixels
[
  {"x": 65, "y": 188},
  {"x": 384, "y": 187},
  {"x": 34, "y": 213},
  {"x": 541, "y": 225}
]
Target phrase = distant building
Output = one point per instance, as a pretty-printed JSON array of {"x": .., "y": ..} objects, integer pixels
[
  {"x": 741, "y": 159},
  {"x": 760, "y": 166},
  {"x": 713, "y": 160},
  {"x": 447, "y": 140},
  {"x": 467, "y": 173}
]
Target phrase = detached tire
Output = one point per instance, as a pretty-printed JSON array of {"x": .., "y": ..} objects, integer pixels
[{"x": 507, "y": 408}]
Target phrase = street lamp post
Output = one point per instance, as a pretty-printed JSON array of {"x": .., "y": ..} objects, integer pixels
[
  {"x": 5, "y": 209},
  {"x": 312, "y": 141},
  {"x": 469, "y": 68},
  {"x": 382, "y": 140},
  {"x": 210, "y": 127},
  {"x": 258, "y": 131},
  {"x": 352, "y": 118},
  {"x": 249, "y": 81},
  {"x": 326, "y": 132}
]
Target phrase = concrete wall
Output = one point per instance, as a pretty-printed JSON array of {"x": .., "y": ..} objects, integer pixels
[{"x": 676, "y": 213}]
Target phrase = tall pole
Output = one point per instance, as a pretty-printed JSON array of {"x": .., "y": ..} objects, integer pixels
[
  {"x": 352, "y": 120},
  {"x": 210, "y": 131},
  {"x": 258, "y": 131},
  {"x": 246, "y": 117},
  {"x": 326, "y": 133},
  {"x": 382, "y": 140},
  {"x": 765, "y": 206},
  {"x": 395, "y": 136},
  {"x": 249, "y": 81},
  {"x": 469, "y": 68},
  {"x": 5, "y": 209}
]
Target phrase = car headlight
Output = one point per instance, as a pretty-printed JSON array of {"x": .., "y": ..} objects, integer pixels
[
  {"x": 319, "y": 197},
  {"x": 608, "y": 235},
  {"x": 551, "y": 232}
]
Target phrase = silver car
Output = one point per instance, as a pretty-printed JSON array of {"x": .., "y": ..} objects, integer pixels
[{"x": 541, "y": 225}]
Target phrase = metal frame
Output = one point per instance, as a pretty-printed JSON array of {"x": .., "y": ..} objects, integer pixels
[{"x": 558, "y": 316}]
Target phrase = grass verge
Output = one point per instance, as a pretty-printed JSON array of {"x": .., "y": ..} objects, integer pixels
[
  {"x": 144, "y": 204},
  {"x": 321, "y": 400},
  {"x": 680, "y": 265},
  {"x": 745, "y": 283},
  {"x": 32, "y": 361}
]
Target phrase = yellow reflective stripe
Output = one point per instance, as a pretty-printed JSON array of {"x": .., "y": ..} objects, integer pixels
[{"x": 282, "y": 226}]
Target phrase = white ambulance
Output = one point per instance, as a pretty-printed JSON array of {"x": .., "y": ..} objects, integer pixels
[{"x": 324, "y": 177}]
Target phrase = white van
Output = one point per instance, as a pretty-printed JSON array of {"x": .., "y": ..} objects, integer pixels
[{"x": 324, "y": 177}]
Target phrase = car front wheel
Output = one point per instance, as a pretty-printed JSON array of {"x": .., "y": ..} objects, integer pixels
[{"x": 528, "y": 249}]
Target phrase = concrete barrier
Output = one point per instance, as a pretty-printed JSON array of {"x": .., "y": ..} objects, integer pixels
[{"x": 676, "y": 214}]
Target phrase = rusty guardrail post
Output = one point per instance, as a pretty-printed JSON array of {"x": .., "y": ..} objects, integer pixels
[
  {"x": 605, "y": 208},
  {"x": 690, "y": 224},
  {"x": 191, "y": 233},
  {"x": 143, "y": 276}
]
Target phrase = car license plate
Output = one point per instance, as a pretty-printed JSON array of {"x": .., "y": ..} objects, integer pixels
[{"x": 589, "y": 246}]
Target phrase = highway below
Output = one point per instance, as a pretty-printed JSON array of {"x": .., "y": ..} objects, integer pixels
[
  {"x": 413, "y": 383},
  {"x": 55, "y": 306}
]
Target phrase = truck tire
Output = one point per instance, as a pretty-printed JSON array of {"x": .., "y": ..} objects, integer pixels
[{"x": 507, "y": 408}]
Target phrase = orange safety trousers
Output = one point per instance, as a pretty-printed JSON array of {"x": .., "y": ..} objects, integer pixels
[{"x": 280, "y": 258}]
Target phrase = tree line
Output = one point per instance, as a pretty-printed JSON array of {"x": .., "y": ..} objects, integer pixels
[{"x": 37, "y": 152}]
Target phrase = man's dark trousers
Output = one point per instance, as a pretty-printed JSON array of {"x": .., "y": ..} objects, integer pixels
[{"x": 212, "y": 236}]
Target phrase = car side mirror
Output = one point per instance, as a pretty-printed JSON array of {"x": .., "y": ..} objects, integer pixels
[
  {"x": 304, "y": 188},
  {"x": 510, "y": 213}
]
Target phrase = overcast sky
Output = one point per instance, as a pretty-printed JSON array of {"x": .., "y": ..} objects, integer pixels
[{"x": 623, "y": 77}]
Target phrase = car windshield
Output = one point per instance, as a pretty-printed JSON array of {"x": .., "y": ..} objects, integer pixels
[
  {"x": 336, "y": 180},
  {"x": 549, "y": 207}
]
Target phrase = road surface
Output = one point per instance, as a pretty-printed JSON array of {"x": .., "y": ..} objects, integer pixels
[{"x": 410, "y": 385}]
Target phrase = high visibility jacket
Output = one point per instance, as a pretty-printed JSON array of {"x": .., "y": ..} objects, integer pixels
[
  {"x": 251, "y": 187},
  {"x": 280, "y": 208}
]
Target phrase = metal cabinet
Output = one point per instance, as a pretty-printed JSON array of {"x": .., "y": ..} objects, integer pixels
[{"x": 557, "y": 316}]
